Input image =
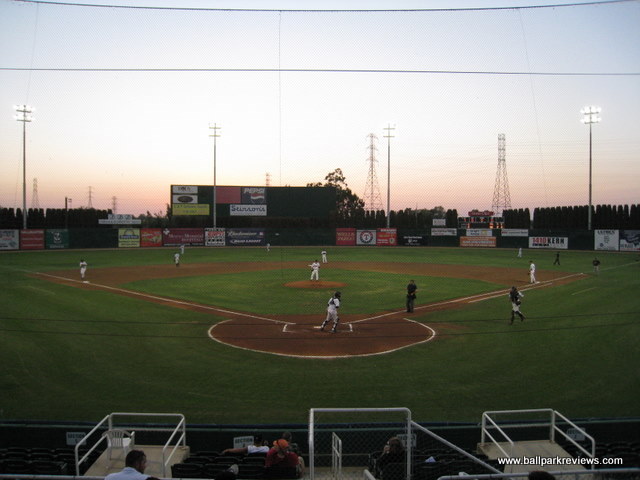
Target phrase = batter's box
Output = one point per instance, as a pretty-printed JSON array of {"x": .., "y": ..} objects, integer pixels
[{"x": 294, "y": 328}]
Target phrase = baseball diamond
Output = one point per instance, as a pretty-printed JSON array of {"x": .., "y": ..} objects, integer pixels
[{"x": 298, "y": 335}]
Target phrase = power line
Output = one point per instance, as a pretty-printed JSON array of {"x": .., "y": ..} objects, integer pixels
[
  {"x": 280, "y": 10},
  {"x": 314, "y": 70}
]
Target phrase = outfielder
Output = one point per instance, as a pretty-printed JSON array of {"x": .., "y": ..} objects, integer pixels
[
  {"x": 83, "y": 268},
  {"x": 515, "y": 296},
  {"x": 332, "y": 312},
  {"x": 315, "y": 270},
  {"x": 324, "y": 256},
  {"x": 532, "y": 272}
]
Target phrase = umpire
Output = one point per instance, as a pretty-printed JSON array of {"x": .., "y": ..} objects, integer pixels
[{"x": 411, "y": 295}]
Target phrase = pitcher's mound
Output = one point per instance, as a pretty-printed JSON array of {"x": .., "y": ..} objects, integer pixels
[{"x": 315, "y": 284}]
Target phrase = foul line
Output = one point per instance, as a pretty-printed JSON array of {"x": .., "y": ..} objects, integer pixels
[{"x": 164, "y": 299}]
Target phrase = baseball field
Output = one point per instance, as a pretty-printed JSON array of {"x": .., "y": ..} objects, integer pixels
[{"x": 231, "y": 335}]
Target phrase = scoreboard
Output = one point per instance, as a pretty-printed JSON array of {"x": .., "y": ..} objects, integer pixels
[{"x": 247, "y": 201}]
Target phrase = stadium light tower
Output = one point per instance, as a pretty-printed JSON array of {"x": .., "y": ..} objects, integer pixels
[
  {"x": 23, "y": 114},
  {"x": 215, "y": 136},
  {"x": 590, "y": 115},
  {"x": 388, "y": 136}
]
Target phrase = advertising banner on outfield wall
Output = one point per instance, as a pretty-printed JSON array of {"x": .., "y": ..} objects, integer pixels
[
  {"x": 345, "y": 236},
  {"x": 182, "y": 236},
  {"x": 214, "y": 237},
  {"x": 444, "y": 232},
  {"x": 557, "y": 243},
  {"x": 630, "y": 240},
  {"x": 387, "y": 237},
  {"x": 245, "y": 237},
  {"x": 514, "y": 232},
  {"x": 247, "y": 210},
  {"x": 128, "y": 237},
  {"x": 606, "y": 240},
  {"x": 57, "y": 239},
  {"x": 413, "y": 240},
  {"x": 151, "y": 237},
  {"x": 31, "y": 239},
  {"x": 365, "y": 237},
  {"x": 9, "y": 239},
  {"x": 479, "y": 232},
  {"x": 480, "y": 241}
]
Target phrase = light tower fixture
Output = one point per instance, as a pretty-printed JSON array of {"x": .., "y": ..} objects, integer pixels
[
  {"x": 389, "y": 136},
  {"x": 590, "y": 115},
  {"x": 215, "y": 136},
  {"x": 23, "y": 114}
]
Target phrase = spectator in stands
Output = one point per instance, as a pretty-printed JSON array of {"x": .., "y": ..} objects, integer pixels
[
  {"x": 135, "y": 464},
  {"x": 293, "y": 447},
  {"x": 540, "y": 475},
  {"x": 280, "y": 456},
  {"x": 257, "y": 447},
  {"x": 393, "y": 452}
]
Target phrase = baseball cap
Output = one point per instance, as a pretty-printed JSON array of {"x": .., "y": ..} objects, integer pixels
[{"x": 282, "y": 443}]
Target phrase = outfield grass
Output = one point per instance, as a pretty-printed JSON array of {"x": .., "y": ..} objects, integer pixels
[{"x": 78, "y": 354}]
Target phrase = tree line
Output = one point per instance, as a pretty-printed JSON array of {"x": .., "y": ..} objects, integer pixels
[{"x": 349, "y": 212}]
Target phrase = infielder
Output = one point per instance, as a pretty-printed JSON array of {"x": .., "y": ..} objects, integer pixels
[
  {"x": 315, "y": 270},
  {"x": 596, "y": 266},
  {"x": 332, "y": 312},
  {"x": 515, "y": 296},
  {"x": 532, "y": 272},
  {"x": 83, "y": 268},
  {"x": 176, "y": 258},
  {"x": 324, "y": 256}
]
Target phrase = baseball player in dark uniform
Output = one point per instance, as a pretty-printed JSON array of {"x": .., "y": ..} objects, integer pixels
[
  {"x": 411, "y": 295},
  {"x": 515, "y": 296}
]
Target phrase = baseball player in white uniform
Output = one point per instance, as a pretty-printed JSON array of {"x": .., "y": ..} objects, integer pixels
[
  {"x": 315, "y": 270},
  {"x": 324, "y": 256},
  {"x": 332, "y": 312},
  {"x": 532, "y": 272},
  {"x": 83, "y": 268},
  {"x": 176, "y": 258}
]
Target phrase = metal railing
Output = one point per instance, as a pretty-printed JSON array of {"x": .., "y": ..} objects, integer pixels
[
  {"x": 111, "y": 421},
  {"x": 552, "y": 423},
  {"x": 599, "y": 474}
]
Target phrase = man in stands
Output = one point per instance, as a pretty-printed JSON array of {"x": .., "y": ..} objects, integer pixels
[
  {"x": 135, "y": 464},
  {"x": 280, "y": 458}
]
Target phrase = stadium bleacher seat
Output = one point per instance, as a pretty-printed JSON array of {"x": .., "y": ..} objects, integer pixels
[{"x": 187, "y": 470}]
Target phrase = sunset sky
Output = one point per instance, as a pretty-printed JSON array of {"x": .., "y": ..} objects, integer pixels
[{"x": 124, "y": 98}]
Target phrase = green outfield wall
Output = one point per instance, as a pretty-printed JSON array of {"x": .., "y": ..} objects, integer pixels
[{"x": 128, "y": 237}]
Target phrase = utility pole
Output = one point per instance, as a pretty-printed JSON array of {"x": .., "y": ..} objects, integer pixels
[
  {"x": 388, "y": 136},
  {"x": 215, "y": 136},
  {"x": 23, "y": 114},
  {"x": 590, "y": 115}
]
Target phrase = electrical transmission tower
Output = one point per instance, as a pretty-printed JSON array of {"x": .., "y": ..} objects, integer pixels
[
  {"x": 372, "y": 199},
  {"x": 35, "y": 201},
  {"x": 501, "y": 196},
  {"x": 114, "y": 204},
  {"x": 90, "y": 205}
]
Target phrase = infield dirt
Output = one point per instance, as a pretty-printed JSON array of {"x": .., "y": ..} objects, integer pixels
[{"x": 299, "y": 335}]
